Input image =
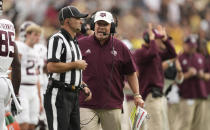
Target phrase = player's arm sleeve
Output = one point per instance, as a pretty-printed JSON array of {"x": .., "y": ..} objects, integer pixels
[
  {"x": 54, "y": 49},
  {"x": 169, "y": 52}
]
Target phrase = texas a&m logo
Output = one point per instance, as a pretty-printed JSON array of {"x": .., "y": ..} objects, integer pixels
[{"x": 103, "y": 14}]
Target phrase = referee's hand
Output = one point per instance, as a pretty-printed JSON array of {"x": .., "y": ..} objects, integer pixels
[
  {"x": 87, "y": 93},
  {"x": 81, "y": 64}
]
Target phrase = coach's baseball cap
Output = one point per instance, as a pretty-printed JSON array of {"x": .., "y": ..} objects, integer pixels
[
  {"x": 191, "y": 41},
  {"x": 103, "y": 15},
  {"x": 70, "y": 11}
]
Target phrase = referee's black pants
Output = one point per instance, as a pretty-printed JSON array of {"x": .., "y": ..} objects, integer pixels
[{"x": 62, "y": 109}]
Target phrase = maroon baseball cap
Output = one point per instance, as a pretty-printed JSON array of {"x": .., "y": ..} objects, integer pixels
[
  {"x": 156, "y": 33},
  {"x": 191, "y": 41}
]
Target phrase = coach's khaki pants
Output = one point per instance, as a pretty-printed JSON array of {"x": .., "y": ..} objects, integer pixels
[
  {"x": 157, "y": 110},
  {"x": 109, "y": 119},
  {"x": 192, "y": 114},
  {"x": 173, "y": 116},
  {"x": 128, "y": 106},
  {"x": 207, "y": 115}
]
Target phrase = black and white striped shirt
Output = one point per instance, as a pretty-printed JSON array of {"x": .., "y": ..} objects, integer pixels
[{"x": 63, "y": 48}]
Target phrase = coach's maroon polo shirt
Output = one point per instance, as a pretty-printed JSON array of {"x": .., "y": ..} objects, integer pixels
[
  {"x": 149, "y": 63},
  {"x": 193, "y": 87},
  {"x": 105, "y": 72},
  {"x": 207, "y": 69}
]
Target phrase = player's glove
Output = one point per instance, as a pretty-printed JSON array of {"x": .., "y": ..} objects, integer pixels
[{"x": 13, "y": 107}]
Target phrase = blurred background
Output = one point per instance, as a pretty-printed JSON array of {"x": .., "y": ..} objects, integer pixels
[{"x": 180, "y": 17}]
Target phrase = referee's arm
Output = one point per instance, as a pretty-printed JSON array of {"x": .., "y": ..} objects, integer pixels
[
  {"x": 60, "y": 67},
  {"x": 54, "y": 51}
]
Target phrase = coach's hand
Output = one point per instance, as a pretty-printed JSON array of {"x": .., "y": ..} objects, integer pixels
[
  {"x": 151, "y": 33},
  {"x": 138, "y": 101},
  {"x": 81, "y": 64},
  {"x": 192, "y": 71},
  {"x": 201, "y": 74},
  {"x": 162, "y": 32},
  {"x": 87, "y": 93}
]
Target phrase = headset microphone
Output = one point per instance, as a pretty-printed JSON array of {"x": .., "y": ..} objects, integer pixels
[{"x": 105, "y": 34}]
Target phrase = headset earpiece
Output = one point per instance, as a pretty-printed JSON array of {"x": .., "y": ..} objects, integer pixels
[
  {"x": 92, "y": 25},
  {"x": 112, "y": 29},
  {"x": 114, "y": 24},
  {"x": 83, "y": 28},
  {"x": 146, "y": 37}
]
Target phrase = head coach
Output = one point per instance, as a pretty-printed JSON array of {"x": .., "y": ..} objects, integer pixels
[
  {"x": 109, "y": 62},
  {"x": 65, "y": 67}
]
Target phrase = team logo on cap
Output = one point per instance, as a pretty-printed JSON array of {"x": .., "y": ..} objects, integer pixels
[{"x": 103, "y": 14}]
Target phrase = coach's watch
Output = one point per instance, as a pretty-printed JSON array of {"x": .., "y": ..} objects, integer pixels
[
  {"x": 137, "y": 95},
  {"x": 83, "y": 85}
]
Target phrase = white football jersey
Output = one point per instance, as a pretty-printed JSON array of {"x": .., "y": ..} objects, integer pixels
[
  {"x": 41, "y": 50},
  {"x": 7, "y": 42},
  {"x": 29, "y": 58}
]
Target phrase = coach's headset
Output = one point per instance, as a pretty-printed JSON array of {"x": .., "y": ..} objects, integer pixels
[{"x": 114, "y": 24}]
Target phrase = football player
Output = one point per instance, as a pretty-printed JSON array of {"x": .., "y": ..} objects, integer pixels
[
  {"x": 22, "y": 30},
  {"x": 8, "y": 57},
  {"x": 30, "y": 86}
]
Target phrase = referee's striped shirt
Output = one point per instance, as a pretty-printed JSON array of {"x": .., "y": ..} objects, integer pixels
[{"x": 63, "y": 48}]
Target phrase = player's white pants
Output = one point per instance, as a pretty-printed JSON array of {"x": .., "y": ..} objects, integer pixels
[
  {"x": 5, "y": 95},
  {"x": 29, "y": 100}
]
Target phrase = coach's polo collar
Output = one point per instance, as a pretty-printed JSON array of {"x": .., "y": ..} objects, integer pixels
[{"x": 66, "y": 35}]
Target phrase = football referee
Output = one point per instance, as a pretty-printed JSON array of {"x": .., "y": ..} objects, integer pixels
[{"x": 65, "y": 67}]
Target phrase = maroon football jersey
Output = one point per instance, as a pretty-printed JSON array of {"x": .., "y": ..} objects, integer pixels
[{"x": 193, "y": 87}]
